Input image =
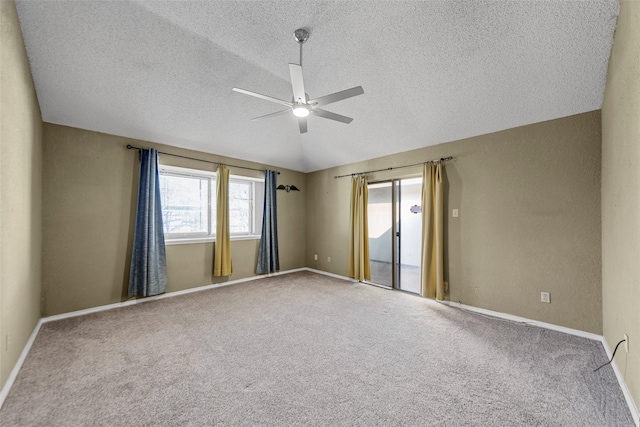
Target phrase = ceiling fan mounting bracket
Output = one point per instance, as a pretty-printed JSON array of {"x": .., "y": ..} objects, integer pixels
[{"x": 301, "y": 35}]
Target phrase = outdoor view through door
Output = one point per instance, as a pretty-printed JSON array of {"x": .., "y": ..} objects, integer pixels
[{"x": 395, "y": 230}]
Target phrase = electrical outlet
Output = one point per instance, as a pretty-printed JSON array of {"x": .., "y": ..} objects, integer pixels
[
  {"x": 328, "y": 259},
  {"x": 6, "y": 342},
  {"x": 315, "y": 257},
  {"x": 545, "y": 297},
  {"x": 626, "y": 343}
]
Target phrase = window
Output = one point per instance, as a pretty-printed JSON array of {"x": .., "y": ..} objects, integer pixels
[{"x": 189, "y": 205}]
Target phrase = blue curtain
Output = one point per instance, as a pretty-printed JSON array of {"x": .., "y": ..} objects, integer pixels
[
  {"x": 268, "y": 258},
  {"x": 148, "y": 274}
]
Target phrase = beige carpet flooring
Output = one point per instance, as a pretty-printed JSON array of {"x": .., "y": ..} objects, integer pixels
[{"x": 307, "y": 349}]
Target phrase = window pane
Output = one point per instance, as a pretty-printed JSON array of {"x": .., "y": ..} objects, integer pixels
[
  {"x": 240, "y": 207},
  {"x": 185, "y": 204},
  {"x": 189, "y": 204}
]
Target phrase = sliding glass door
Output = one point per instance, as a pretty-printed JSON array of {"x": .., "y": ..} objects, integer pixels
[
  {"x": 381, "y": 218},
  {"x": 395, "y": 230}
]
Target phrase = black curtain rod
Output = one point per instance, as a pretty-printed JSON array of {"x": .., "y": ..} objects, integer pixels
[
  {"x": 443, "y": 159},
  {"x": 131, "y": 147}
]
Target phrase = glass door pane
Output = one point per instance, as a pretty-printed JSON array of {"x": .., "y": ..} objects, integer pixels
[
  {"x": 410, "y": 232},
  {"x": 381, "y": 239}
]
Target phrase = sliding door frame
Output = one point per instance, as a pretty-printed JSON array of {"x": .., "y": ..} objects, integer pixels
[{"x": 396, "y": 233}]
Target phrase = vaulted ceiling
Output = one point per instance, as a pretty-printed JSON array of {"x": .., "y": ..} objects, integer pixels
[{"x": 432, "y": 71}]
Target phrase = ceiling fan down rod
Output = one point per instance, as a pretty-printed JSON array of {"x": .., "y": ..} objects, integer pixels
[{"x": 301, "y": 35}]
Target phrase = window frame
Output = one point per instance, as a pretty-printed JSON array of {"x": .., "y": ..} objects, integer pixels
[{"x": 189, "y": 238}]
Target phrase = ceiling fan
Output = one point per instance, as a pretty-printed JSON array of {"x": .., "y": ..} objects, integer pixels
[{"x": 301, "y": 106}]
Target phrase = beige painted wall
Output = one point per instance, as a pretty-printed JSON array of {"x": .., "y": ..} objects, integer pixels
[
  {"x": 621, "y": 196},
  {"x": 20, "y": 194},
  {"x": 90, "y": 190},
  {"x": 529, "y": 201}
]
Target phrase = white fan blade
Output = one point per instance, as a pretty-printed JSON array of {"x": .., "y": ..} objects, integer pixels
[
  {"x": 332, "y": 116},
  {"x": 297, "y": 83},
  {"x": 277, "y": 113},
  {"x": 338, "y": 96},
  {"x": 302, "y": 122},
  {"x": 261, "y": 96}
]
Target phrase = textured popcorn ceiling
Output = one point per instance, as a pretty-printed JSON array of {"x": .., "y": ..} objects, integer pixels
[{"x": 432, "y": 71}]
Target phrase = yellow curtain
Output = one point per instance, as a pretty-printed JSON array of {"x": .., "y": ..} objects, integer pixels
[
  {"x": 359, "y": 266},
  {"x": 432, "y": 266},
  {"x": 222, "y": 253}
]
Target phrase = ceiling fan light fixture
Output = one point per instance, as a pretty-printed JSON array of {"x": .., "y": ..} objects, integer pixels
[{"x": 300, "y": 111}]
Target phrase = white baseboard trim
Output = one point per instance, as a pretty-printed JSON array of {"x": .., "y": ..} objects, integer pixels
[
  {"x": 635, "y": 413},
  {"x": 16, "y": 368},
  {"x": 519, "y": 319}
]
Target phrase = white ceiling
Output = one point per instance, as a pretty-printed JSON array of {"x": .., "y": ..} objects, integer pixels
[{"x": 432, "y": 71}]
